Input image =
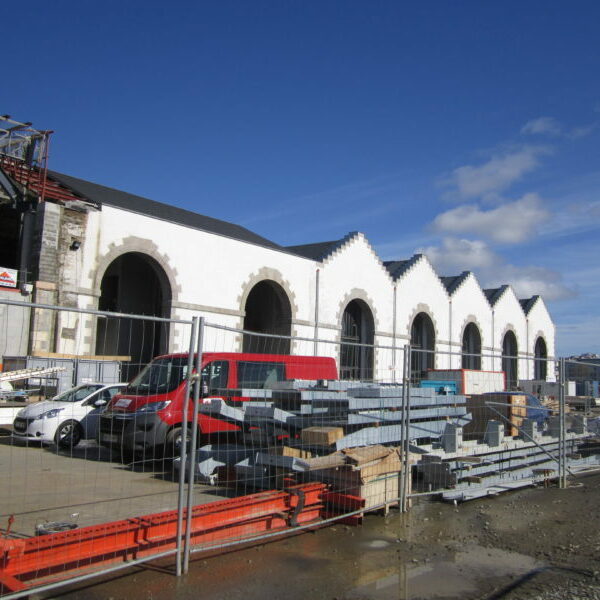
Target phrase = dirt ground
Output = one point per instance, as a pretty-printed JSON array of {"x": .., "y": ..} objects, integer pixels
[{"x": 536, "y": 543}]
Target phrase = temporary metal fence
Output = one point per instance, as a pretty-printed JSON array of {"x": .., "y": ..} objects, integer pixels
[{"x": 235, "y": 437}]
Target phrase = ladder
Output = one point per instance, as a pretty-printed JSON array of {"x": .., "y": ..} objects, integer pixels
[{"x": 27, "y": 373}]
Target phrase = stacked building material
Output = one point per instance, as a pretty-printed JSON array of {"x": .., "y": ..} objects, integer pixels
[{"x": 359, "y": 414}]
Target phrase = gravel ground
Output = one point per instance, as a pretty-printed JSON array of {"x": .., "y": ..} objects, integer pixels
[{"x": 532, "y": 544}]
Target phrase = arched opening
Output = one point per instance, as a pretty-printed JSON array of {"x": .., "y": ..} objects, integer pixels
[
  {"x": 509, "y": 360},
  {"x": 422, "y": 339},
  {"x": 358, "y": 336},
  {"x": 540, "y": 369},
  {"x": 134, "y": 284},
  {"x": 268, "y": 310},
  {"x": 471, "y": 348}
]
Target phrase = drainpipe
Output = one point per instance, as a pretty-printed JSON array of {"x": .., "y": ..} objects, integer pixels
[
  {"x": 394, "y": 334},
  {"x": 493, "y": 365},
  {"x": 450, "y": 346},
  {"x": 529, "y": 372},
  {"x": 317, "y": 282}
]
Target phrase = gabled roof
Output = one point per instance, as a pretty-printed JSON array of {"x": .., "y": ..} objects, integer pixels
[
  {"x": 317, "y": 251},
  {"x": 493, "y": 295},
  {"x": 397, "y": 268},
  {"x": 528, "y": 303},
  {"x": 103, "y": 195},
  {"x": 452, "y": 283},
  {"x": 320, "y": 251}
]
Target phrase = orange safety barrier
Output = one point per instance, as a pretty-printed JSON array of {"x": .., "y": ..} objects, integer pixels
[{"x": 25, "y": 563}]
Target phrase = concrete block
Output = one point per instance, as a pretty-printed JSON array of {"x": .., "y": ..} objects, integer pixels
[{"x": 494, "y": 433}]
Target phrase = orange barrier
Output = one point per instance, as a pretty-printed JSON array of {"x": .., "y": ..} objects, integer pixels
[{"x": 26, "y": 563}]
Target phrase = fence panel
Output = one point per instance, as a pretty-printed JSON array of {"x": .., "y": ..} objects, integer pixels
[
  {"x": 505, "y": 431},
  {"x": 77, "y": 500},
  {"x": 231, "y": 436}
]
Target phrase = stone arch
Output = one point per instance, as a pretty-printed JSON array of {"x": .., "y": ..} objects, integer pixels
[
  {"x": 540, "y": 360},
  {"x": 510, "y": 353},
  {"x": 357, "y": 321},
  {"x": 141, "y": 246},
  {"x": 356, "y": 361},
  {"x": 471, "y": 342},
  {"x": 267, "y": 288},
  {"x": 423, "y": 337},
  {"x": 135, "y": 283}
]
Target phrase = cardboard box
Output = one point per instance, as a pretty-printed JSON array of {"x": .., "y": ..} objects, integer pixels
[
  {"x": 289, "y": 451},
  {"x": 513, "y": 407},
  {"x": 321, "y": 436}
]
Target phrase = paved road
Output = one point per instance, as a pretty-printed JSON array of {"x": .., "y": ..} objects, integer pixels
[{"x": 45, "y": 484}]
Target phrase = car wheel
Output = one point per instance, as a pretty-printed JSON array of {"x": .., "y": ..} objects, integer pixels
[{"x": 68, "y": 434}]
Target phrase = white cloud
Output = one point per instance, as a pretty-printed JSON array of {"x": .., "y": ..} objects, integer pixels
[
  {"x": 497, "y": 174},
  {"x": 510, "y": 223},
  {"x": 542, "y": 126},
  {"x": 580, "y": 132},
  {"x": 457, "y": 255}
]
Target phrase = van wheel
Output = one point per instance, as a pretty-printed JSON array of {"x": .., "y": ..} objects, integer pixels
[
  {"x": 173, "y": 442},
  {"x": 68, "y": 434}
]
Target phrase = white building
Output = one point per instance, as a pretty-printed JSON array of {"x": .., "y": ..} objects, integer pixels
[{"x": 100, "y": 248}]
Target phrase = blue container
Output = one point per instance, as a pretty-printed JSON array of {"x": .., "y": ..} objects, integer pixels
[{"x": 441, "y": 387}]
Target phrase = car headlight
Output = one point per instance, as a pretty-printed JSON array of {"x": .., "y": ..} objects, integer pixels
[
  {"x": 50, "y": 414},
  {"x": 153, "y": 406}
]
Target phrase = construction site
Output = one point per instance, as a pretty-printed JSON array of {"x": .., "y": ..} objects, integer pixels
[{"x": 141, "y": 428}]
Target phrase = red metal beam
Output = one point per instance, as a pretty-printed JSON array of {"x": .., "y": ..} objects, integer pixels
[{"x": 25, "y": 563}]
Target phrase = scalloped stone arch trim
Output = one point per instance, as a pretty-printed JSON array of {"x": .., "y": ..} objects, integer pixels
[
  {"x": 423, "y": 308},
  {"x": 539, "y": 335},
  {"x": 468, "y": 320},
  {"x": 267, "y": 274},
  {"x": 139, "y": 246},
  {"x": 508, "y": 328},
  {"x": 356, "y": 294}
]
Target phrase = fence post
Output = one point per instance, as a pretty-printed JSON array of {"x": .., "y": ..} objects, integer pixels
[
  {"x": 192, "y": 461},
  {"x": 405, "y": 442},
  {"x": 182, "y": 449},
  {"x": 562, "y": 445}
]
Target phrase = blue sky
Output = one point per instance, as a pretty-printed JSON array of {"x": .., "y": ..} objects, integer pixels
[{"x": 466, "y": 130}]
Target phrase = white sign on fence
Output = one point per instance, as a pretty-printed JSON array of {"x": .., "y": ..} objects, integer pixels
[{"x": 8, "y": 277}]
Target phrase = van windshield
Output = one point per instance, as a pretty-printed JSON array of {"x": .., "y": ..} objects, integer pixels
[{"x": 161, "y": 376}]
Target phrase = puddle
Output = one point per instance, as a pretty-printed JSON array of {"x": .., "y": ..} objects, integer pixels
[
  {"x": 377, "y": 544},
  {"x": 462, "y": 574}
]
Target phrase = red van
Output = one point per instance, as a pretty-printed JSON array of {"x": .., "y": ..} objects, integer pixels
[{"x": 148, "y": 414}]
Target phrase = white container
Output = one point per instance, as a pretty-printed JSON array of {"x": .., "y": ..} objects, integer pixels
[{"x": 471, "y": 382}]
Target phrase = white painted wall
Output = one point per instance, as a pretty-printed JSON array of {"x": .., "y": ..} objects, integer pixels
[
  {"x": 469, "y": 304},
  {"x": 213, "y": 274},
  {"x": 421, "y": 290}
]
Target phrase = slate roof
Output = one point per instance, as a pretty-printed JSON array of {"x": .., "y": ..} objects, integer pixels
[
  {"x": 102, "y": 195},
  {"x": 493, "y": 295},
  {"x": 397, "y": 268},
  {"x": 316, "y": 251},
  {"x": 453, "y": 282},
  {"x": 528, "y": 303}
]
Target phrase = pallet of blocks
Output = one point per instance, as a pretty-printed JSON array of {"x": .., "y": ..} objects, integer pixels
[{"x": 370, "y": 472}]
